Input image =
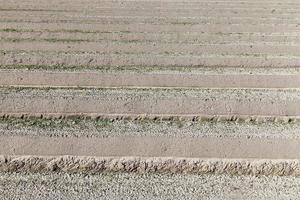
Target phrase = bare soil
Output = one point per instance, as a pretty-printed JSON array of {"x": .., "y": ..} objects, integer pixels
[
  {"x": 217, "y": 82},
  {"x": 156, "y": 78}
]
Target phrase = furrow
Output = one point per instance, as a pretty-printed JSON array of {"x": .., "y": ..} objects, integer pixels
[
  {"x": 184, "y": 20},
  {"x": 94, "y": 79},
  {"x": 214, "y": 28},
  {"x": 156, "y": 5},
  {"x": 226, "y": 148},
  {"x": 131, "y": 11},
  {"x": 85, "y": 59},
  {"x": 157, "y": 48},
  {"x": 120, "y": 20},
  {"x": 130, "y": 37},
  {"x": 165, "y": 12}
]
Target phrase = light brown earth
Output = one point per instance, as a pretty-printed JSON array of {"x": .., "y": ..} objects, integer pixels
[
  {"x": 103, "y": 79},
  {"x": 152, "y": 186},
  {"x": 255, "y": 148},
  {"x": 143, "y": 146},
  {"x": 160, "y": 102},
  {"x": 174, "y": 90}
]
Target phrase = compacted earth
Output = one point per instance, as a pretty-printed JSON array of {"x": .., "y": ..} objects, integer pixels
[{"x": 152, "y": 99}]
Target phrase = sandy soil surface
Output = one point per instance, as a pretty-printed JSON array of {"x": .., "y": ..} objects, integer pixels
[
  {"x": 191, "y": 91},
  {"x": 147, "y": 186},
  {"x": 95, "y": 79},
  {"x": 256, "y": 148},
  {"x": 94, "y": 59},
  {"x": 122, "y": 33},
  {"x": 208, "y": 147},
  {"x": 160, "y": 102},
  {"x": 104, "y": 128},
  {"x": 144, "y": 165}
]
